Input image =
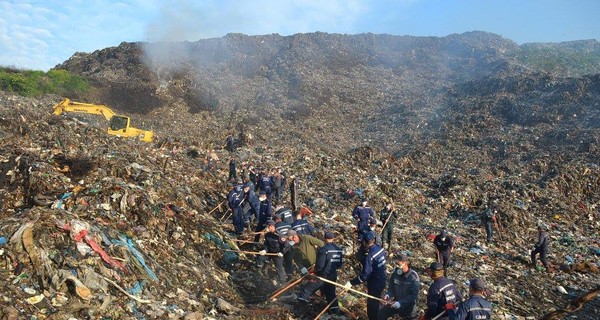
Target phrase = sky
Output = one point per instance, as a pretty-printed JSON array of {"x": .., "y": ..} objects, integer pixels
[{"x": 39, "y": 34}]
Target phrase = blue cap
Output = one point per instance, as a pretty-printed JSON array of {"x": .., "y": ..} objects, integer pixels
[{"x": 369, "y": 236}]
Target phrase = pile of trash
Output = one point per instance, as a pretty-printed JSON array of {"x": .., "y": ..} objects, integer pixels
[{"x": 99, "y": 227}]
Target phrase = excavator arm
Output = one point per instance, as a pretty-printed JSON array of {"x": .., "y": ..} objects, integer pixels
[
  {"x": 66, "y": 105},
  {"x": 118, "y": 125}
]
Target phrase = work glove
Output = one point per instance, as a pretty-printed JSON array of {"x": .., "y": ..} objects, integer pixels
[
  {"x": 348, "y": 285},
  {"x": 279, "y": 254},
  {"x": 396, "y": 305},
  {"x": 291, "y": 242},
  {"x": 449, "y": 306},
  {"x": 303, "y": 271},
  {"x": 262, "y": 252},
  {"x": 386, "y": 297}
]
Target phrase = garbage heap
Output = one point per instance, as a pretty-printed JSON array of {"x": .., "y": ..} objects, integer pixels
[{"x": 99, "y": 227}]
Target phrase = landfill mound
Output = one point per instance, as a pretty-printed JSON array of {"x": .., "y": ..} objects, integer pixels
[{"x": 97, "y": 226}]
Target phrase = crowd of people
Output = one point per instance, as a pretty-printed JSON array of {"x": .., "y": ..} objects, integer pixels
[{"x": 292, "y": 245}]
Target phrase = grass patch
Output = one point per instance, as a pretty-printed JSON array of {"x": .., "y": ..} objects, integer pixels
[{"x": 33, "y": 83}]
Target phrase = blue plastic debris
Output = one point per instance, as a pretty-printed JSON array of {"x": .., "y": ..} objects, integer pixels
[{"x": 129, "y": 244}]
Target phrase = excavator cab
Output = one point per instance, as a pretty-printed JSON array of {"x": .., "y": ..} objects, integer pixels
[{"x": 119, "y": 123}]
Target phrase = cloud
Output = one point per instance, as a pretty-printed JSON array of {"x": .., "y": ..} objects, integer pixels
[{"x": 40, "y": 34}]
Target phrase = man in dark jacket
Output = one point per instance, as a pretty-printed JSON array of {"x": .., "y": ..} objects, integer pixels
[
  {"x": 263, "y": 215},
  {"x": 362, "y": 214},
  {"x": 302, "y": 226},
  {"x": 489, "y": 221},
  {"x": 265, "y": 183},
  {"x": 442, "y": 295},
  {"x": 476, "y": 307},
  {"x": 329, "y": 259},
  {"x": 285, "y": 214},
  {"x": 444, "y": 245},
  {"x": 273, "y": 245},
  {"x": 277, "y": 184},
  {"x": 402, "y": 292},
  {"x": 235, "y": 200},
  {"x": 388, "y": 218},
  {"x": 282, "y": 228},
  {"x": 373, "y": 273},
  {"x": 251, "y": 204},
  {"x": 232, "y": 171},
  {"x": 541, "y": 247}
]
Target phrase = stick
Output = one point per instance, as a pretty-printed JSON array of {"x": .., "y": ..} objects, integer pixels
[
  {"x": 249, "y": 252},
  {"x": 386, "y": 222},
  {"x": 226, "y": 216},
  {"x": 328, "y": 305},
  {"x": 439, "y": 315},
  {"x": 282, "y": 290},
  {"x": 354, "y": 290},
  {"x": 439, "y": 259},
  {"x": 245, "y": 241},
  {"x": 215, "y": 208},
  {"x": 125, "y": 291}
]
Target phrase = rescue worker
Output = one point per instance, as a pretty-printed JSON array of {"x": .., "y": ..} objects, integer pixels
[
  {"x": 265, "y": 183},
  {"x": 280, "y": 226},
  {"x": 304, "y": 249},
  {"x": 444, "y": 245},
  {"x": 263, "y": 215},
  {"x": 541, "y": 247},
  {"x": 277, "y": 184},
  {"x": 362, "y": 214},
  {"x": 251, "y": 205},
  {"x": 373, "y": 273},
  {"x": 329, "y": 259},
  {"x": 235, "y": 200},
  {"x": 302, "y": 226},
  {"x": 211, "y": 159},
  {"x": 402, "y": 292},
  {"x": 388, "y": 216},
  {"x": 476, "y": 307},
  {"x": 285, "y": 214},
  {"x": 489, "y": 221},
  {"x": 253, "y": 177},
  {"x": 273, "y": 245},
  {"x": 442, "y": 294},
  {"x": 371, "y": 228},
  {"x": 232, "y": 172}
]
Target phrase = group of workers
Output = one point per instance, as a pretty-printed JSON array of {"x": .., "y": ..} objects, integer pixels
[{"x": 290, "y": 243}]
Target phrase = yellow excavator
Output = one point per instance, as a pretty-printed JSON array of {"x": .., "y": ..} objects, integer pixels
[{"x": 117, "y": 124}]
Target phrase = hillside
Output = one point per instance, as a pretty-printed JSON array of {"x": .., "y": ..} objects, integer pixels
[{"x": 442, "y": 126}]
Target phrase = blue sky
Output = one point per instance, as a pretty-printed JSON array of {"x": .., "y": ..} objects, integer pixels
[{"x": 42, "y": 34}]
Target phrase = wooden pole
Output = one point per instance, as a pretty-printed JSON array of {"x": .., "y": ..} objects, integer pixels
[
  {"x": 249, "y": 252},
  {"x": 215, "y": 208},
  {"x": 439, "y": 315},
  {"x": 282, "y": 290},
  {"x": 385, "y": 224},
  {"x": 354, "y": 290},
  {"x": 328, "y": 305},
  {"x": 245, "y": 241},
  {"x": 225, "y": 215}
]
